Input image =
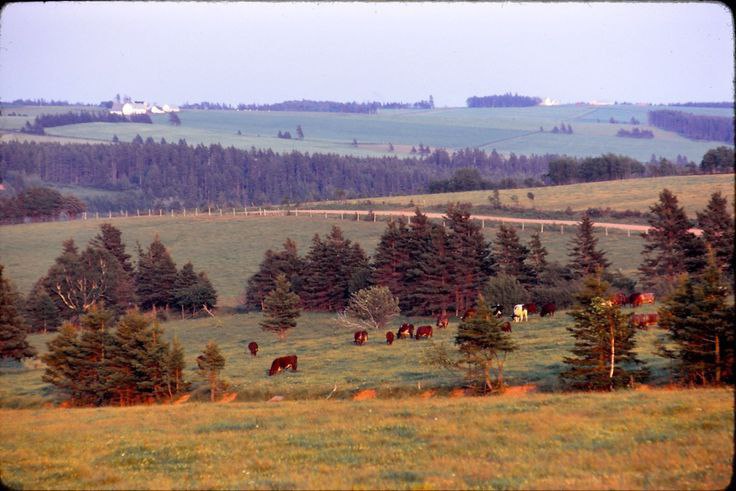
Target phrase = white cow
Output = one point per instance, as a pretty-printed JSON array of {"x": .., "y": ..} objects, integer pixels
[{"x": 520, "y": 313}]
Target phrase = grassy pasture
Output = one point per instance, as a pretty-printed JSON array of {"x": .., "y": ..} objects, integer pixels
[
  {"x": 693, "y": 192},
  {"x": 503, "y": 129},
  {"x": 234, "y": 246}
]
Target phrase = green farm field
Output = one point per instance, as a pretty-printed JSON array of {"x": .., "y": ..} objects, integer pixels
[
  {"x": 503, "y": 129},
  {"x": 693, "y": 192},
  {"x": 230, "y": 248}
]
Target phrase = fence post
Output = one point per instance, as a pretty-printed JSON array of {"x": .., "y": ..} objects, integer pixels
[
  {"x": 562, "y": 228},
  {"x": 137, "y": 212},
  {"x": 149, "y": 212},
  {"x": 85, "y": 215},
  {"x": 209, "y": 211},
  {"x": 97, "y": 215},
  {"x": 296, "y": 212},
  {"x": 606, "y": 231},
  {"x": 542, "y": 230},
  {"x": 522, "y": 226},
  {"x": 628, "y": 232},
  {"x": 483, "y": 223},
  {"x": 160, "y": 212}
]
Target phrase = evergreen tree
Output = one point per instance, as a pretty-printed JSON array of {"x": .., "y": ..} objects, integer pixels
[
  {"x": 211, "y": 362},
  {"x": 41, "y": 311},
  {"x": 281, "y": 308},
  {"x": 585, "y": 258},
  {"x": 470, "y": 263},
  {"x": 484, "y": 345},
  {"x": 62, "y": 361},
  {"x": 193, "y": 291},
  {"x": 261, "y": 283},
  {"x": 156, "y": 276},
  {"x": 699, "y": 321},
  {"x": 175, "y": 364},
  {"x": 669, "y": 248},
  {"x": 537, "y": 258},
  {"x": 13, "y": 329},
  {"x": 510, "y": 255},
  {"x": 718, "y": 231},
  {"x": 299, "y": 132},
  {"x": 603, "y": 354},
  {"x": 391, "y": 258},
  {"x": 109, "y": 238}
]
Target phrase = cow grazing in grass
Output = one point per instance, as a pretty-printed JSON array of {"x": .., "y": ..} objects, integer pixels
[
  {"x": 506, "y": 326},
  {"x": 253, "y": 348},
  {"x": 638, "y": 299},
  {"x": 619, "y": 299},
  {"x": 360, "y": 337},
  {"x": 643, "y": 321},
  {"x": 520, "y": 313},
  {"x": 497, "y": 310},
  {"x": 548, "y": 309},
  {"x": 389, "y": 338},
  {"x": 443, "y": 320},
  {"x": 423, "y": 332},
  {"x": 283, "y": 363},
  {"x": 405, "y": 331},
  {"x": 200, "y": 362},
  {"x": 531, "y": 308},
  {"x": 469, "y": 314}
]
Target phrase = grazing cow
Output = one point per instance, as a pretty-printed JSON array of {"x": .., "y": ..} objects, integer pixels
[
  {"x": 389, "y": 338},
  {"x": 282, "y": 364},
  {"x": 497, "y": 310},
  {"x": 360, "y": 337},
  {"x": 644, "y": 298},
  {"x": 253, "y": 347},
  {"x": 443, "y": 320},
  {"x": 506, "y": 327},
  {"x": 619, "y": 299},
  {"x": 642, "y": 321},
  {"x": 548, "y": 309},
  {"x": 520, "y": 313},
  {"x": 469, "y": 314},
  {"x": 531, "y": 308},
  {"x": 423, "y": 332},
  {"x": 406, "y": 330},
  {"x": 200, "y": 362}
]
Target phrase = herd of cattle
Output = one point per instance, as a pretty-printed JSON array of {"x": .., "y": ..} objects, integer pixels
[{"x": 519, "y": 314}]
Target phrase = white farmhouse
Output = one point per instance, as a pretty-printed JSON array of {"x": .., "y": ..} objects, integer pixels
[
  {"x": 128, "y": 108},
  {"x": 156, "y": 110},
  {"x": 170, "y": 109}
]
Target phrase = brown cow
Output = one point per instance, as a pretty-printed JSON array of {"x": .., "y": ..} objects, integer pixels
[
  {"x": 506, "y": 327},
  {"x": 531, "y": 308},
  {"x": 619, "y": 299},
  {"x": 642, "y": 321},
  {"x": 548, "y": 309},
  {"x": 423, "y": 332},
  {"x": 406, "y": 330},
  {"x": 443, "y": 320},
  {"x": 282, "y": 364},
  {"x": 253, "y": 347},
  {"x": 360, "y": 337},
  {"x": 389, "y": 338},
  {"x": 469, "y": 314}
]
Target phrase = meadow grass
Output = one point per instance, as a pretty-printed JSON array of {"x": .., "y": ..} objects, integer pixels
[
  {"x": 230, "y": 249},
  {"x": 658, "y": 439},
  {"x": 693, "y": 193}
]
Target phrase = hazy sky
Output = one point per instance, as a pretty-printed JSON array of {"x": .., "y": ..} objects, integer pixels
[{"x": 267, "y": 52}]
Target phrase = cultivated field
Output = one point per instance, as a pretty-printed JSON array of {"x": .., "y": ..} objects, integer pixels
[
  {"x": 693, "y": 192},
  {"x": 234, "y": 246},
  {"x": 503, "y": 129}
]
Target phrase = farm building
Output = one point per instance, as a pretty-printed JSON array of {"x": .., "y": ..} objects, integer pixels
[{"x": 128, "y": 108}]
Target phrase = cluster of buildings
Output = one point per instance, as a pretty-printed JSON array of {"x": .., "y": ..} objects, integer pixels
[{"x": 141, "y": 107}]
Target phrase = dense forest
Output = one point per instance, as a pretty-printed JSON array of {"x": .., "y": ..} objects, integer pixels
[
  {"x": 50, "y": 120},
  {"x": 635, "y": 133},
  {"x": 695, "y": 126},
  {"x": 505, "y": 100},
  {"x": 315, "y": 106},
  {"x": 608, "y": 167},
  {"x": 727, "y": 105}
]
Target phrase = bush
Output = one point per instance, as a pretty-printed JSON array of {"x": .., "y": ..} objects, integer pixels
[{"x": 506, "y": 290}]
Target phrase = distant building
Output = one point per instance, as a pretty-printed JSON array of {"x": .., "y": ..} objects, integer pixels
[
  {"x": 549, "y": 102},
  {"x": 129, "y": 108},
  {"x": 170, "y": 109},
  {"x": 156, "y": 110}
]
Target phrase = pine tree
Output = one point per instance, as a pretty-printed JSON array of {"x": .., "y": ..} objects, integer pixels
[
  {"x": 299, "y": 132},
  {"x": 62, "y": 361},
  {"x": 261, "y": 283},
  {"x": 211, "y": 362},
  {"x": 699, "y": 321},
  {"x": 603, "y": 354},
  {"x": 391, "y": 258},
  {"x": 585, "y": 258},
  {"x": 669, "y": 248},
  {"x": 155, "y": 277},
  {"x": 484, "y": 345},
  {"x": 109, "y": 238},
  {"x": 510, "y": 255},
  {"x": 281, "y": 308},
  {"x": 13, "y": 329},
  {"x": 41, "y": 311},
  {"x": 537, "y": 258},
  {"x": 718, "y": 231}
]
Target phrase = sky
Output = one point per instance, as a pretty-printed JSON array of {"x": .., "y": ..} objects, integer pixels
[{"x": 176, "y": 52}]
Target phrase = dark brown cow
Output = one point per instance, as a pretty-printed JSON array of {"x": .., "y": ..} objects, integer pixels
[
  {"x": 443, "y": 320},
  {"x": 531, "y": 308},
  {"x": 253, "y": 347},
  {"x": 548, "y": 309},
  {"x": 506, "y": 327},
  {"x": 200, "y": 362},
  {"x": 619, "y": 299},
  {"x": 360, "y": 337},
  {"x": 423, "y": 332},
  {"x": 282, "y": 364},
  {"x": 469, "y": 314},
  {"x": 642, "y": 321},
  {"x": 406, "y": 330},
  {"x": 497, "y": 310},
  {"x": 389, "y": 338}
]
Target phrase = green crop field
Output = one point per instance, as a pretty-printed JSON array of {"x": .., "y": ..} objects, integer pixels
[
  {"x": 503, "y": 129},
  {"x": 234, "y": 246},
  {"x": 693, "y": 192}
]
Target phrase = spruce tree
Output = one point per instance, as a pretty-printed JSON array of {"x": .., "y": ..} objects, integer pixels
[
  {"x": 510, "y": 255},
  {"x": 433, "y": 287},
  {"x": 110, "y": 239},
  {"x": 41, "y": 311},
  {"x": 585, "y": 257},
  {"x": 175, "y": 364},
  {"x": 391, "y": 258},
  {"x": 62, "y": 362},
  {"x": 537, "y": 258},
  {"x": 156, "y": 276},
  {"x": 211, "y": 362},
  {"x": 718, "y": 231},
  {"x": 13, "y": 329},
  {"x": 281, "y": 308},
  {"x": 669, "y": 248},
  {"x": 699, "y": 321},
  {"x": 262, "y": 282},
  {"x": 603, "y": 354}
]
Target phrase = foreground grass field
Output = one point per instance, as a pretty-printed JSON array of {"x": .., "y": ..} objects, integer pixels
[
  {"x": 230, "y": 248},
  {"x": 632, "y": 440},
  {"x": 693, "y": 192}
]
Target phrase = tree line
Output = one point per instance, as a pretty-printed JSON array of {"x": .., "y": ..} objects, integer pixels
[
  {"x": 695, "y": 126},
  {"x": 50, "y": 120},
  {"x": 635, "y": 133},
  {"x": 39, "y": 203},
  {"x": 503, "y": 100},
  {"x": 314, "y": 106}
]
